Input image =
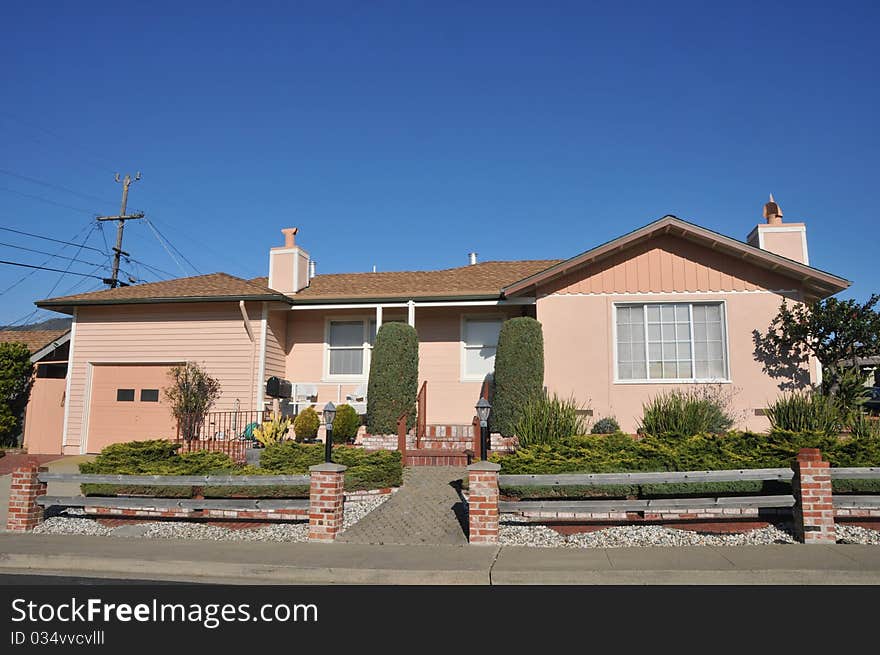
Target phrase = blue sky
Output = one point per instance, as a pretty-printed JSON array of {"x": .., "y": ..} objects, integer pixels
[{"x": 406, "y": 134}]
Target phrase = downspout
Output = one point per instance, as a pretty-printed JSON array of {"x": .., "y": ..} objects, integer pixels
[
  {"x": 261, "y": 373},
  {"x": 250, "y": 333}
]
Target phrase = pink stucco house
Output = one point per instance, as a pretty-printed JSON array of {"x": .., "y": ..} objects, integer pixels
[{"x": 668, "y": 304}]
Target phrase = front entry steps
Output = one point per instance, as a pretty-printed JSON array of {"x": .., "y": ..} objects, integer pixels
[{"x": 437, "y": 457}]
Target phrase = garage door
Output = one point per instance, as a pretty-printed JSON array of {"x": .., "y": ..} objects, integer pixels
[{"x": 127, "y": 404}]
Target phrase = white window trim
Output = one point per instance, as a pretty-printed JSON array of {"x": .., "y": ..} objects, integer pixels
[
  {"x": 725, "y": 335},
  {"x": 462, "y": 370},
  {"x": 368, "y": 349}
]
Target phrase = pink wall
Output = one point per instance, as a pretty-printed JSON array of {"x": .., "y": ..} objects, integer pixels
[
  {"x": 450, "y": 400},
  {"x": 212, "y": 334},
  {"x": 44, "y": 417}
]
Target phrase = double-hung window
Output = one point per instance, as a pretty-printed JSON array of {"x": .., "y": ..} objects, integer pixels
[
  {"x": 349, "y": 344},
  {"x": 671, "y": 341},
  {"x": 480, "y": 340}
]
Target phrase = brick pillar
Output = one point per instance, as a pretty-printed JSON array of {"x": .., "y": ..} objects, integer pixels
[
  {"x": 326, "y": 498},
  {"x": 483, "y": 503},
  {"x": 24, "y": 513},
  {"x": 813, "y": 510}
]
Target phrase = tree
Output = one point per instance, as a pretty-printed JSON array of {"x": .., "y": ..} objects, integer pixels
[
  {"x": 192, "y": 393},
  {"x": 519, "y": 371},
  {"x": 16, "y": 381},
  {"x": 835, "y": 332},
  {"x": 394, "y": 378}
]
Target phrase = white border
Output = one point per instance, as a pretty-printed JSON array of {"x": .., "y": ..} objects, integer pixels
[
  {"x": 70, "y": 367},
  {"x": 45, "y": 350},
  {"x": 616, "y": 378},
  {"x": 261, "y": 370},
  {"x": 363, "y": 318},
  {"x": 462, "y": 376}
]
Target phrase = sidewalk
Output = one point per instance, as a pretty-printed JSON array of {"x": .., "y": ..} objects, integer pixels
[{"x": 304, "y": 563}]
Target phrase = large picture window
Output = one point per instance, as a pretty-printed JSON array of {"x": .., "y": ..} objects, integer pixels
[
  {"x": 671, "y": 341},
  {"x": 348, "y": 345},
  {"x": 480, "y": 343}
]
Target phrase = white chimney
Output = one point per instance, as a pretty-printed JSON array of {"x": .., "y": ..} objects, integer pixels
[
  {"x": 311, "y": 268},
  {"x": 472, "y": 258}
]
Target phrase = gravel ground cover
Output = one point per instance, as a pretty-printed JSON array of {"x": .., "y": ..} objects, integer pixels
[
  {"x": 517, "y": 531},
  {"x": 73, "y": 521}
]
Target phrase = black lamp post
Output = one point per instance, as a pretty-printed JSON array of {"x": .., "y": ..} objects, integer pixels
[
  {"x": 329, "y": 415},
  {"x": 483, "y": 408}
]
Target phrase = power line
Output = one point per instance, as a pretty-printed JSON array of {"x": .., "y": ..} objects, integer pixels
[
  {"x": 27, "y": 275},
  {"x": 40, "y": 236},
  {"x": 162, "y": 241},
  {"x": 43, "y": 252},
  {"x": 55, "y": 186},
  {"x": 154, "y": 269},
  {"x": 50, "y": 202},
  {"x": 44, "y": 268}
]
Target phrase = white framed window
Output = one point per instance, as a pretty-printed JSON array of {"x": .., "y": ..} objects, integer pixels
[
  {"x": 670, "y": 342},
  {"x": 479, "y": 338},
  {"x": 348, "y": 343}
]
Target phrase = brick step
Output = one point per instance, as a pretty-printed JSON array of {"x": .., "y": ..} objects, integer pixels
[
  {"x": 448, "y": 431},
  {"x": 436, "y": 457}
]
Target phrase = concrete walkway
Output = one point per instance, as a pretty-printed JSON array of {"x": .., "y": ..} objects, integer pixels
[
  {"x": 304, "y": 563},
  {"x": 427, "y": 510}
]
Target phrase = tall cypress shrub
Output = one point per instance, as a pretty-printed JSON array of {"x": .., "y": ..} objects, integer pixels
[
  {"x": 394, "y": 378},
  {"x": 519, "y": 371}
]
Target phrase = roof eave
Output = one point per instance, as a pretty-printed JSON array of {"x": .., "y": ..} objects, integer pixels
[{"x": 59, "y": 304}]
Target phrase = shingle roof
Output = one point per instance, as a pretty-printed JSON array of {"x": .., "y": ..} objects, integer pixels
[
  {"x": 485, "y": 279},
  {"x": 215, "y": 286},
  {"x": 33, "y": 339}
]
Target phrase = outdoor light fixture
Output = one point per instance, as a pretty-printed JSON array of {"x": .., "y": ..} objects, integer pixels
[
  {"x": 483, "y": 408},
  {"x": 329, "y": 415}
]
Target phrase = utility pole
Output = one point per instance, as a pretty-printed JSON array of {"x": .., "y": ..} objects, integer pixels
[{"x": 113, "y": 280}]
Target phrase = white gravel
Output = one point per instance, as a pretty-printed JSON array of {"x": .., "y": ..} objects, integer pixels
[
  {"x": 516, "y": 531},
  {"x": 853, "y": 534},
  {"x": 73, "y": 521}
]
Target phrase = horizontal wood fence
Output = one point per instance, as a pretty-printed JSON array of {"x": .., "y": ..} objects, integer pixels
[
  {"x": 811, "y": 504},
  {"x": 323, "y": 509}
]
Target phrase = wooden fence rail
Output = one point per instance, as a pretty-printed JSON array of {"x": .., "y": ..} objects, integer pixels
[
  {"x": 179, "y": 480},
  {"x": 662, "y": 477}
]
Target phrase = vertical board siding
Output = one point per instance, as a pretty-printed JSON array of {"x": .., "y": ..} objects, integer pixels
[
  {"x": 211, "y": 334},
  {"x": 276, "y": 340},
  {"x": 668, "y": 265}
]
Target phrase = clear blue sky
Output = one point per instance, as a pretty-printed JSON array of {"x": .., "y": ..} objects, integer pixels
[{"x": 406, "y": 134}]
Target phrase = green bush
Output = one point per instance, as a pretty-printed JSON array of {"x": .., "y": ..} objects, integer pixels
[
  {"x": 519, "y": 372},
  {"x": 860, "y": 425},
  {"x": 805, "y": 411},
  {"x": 670, "y": 452},
  {"x": 608, "y": 425},
  {"x": 306, "y": 424},
  {"x": 16, "y": 381},
  {"x": 546, "y": 419},
  {"x": 155, "y": 457},
  {"x": 703, "y": 409},
  {"x": 366, "y": 470},
  {"x": 346, "y": 423},
  {"x": 394, "y": 378}
]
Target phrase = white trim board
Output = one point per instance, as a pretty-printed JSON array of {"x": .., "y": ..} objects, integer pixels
[
  {"x": 635, "y": 294},
  {"x": 70, "y": 362},
  {"x": 45, "y": 350}
]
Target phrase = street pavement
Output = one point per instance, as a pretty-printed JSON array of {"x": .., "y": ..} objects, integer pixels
[{"x": 340, "y": 563}]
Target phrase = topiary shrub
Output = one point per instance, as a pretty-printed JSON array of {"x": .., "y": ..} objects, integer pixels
[
  {"x": 607, "y": 425},
  {"x": 306, "y": 424},
  {"x": 394, "y": 378},
  {"x": 519, "y": 372},
  {"x": 346, "y": 423}
]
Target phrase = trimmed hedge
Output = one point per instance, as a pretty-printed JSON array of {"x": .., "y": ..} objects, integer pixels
[
  {"x": 306, "y": 424},
  {"x": 519, "y": 372},
  {"x": 394, "y": 378},
  {"x": 672, "y": 452},
  {"x": 366, "y": 470}
]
